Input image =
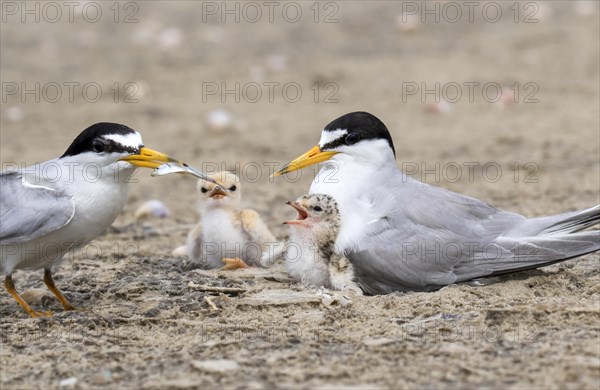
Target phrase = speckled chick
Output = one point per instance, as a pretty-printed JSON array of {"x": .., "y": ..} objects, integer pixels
[{"x": 311, "y": 257}]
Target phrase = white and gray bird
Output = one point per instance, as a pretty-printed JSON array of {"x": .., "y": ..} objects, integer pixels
[
  {"x": 401, "y": 234},
  {"x": 311, "y": 257},
  {"x": 226, "y": 233},
  {"x": 57, "y": 206}
]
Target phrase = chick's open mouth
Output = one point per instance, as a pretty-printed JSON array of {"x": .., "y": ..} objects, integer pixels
[{"x": 302, "y": 213}]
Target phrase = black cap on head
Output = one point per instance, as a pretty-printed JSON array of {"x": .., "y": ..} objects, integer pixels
[
  {"x": 360, "y": 126},
  {"x": 84, "y": 142}
]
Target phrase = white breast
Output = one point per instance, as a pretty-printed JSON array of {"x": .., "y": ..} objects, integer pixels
[
  {"x": 98, "y": 200},
  {"x": 302, "y": 260},
  {"x": 224, "y": 236},
  {"x": 357, "y": 182}
]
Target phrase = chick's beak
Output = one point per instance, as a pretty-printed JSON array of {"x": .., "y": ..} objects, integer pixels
[
  {"x": 218, "y": 192},
  {"x": 302, "y": 214},
  {"x": 313, "y": 156},
  {"x": 148, "y": 158}
]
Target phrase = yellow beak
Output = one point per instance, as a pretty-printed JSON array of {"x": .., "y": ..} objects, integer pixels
[
  {"x": 313, "y": 156},
  {"x": 148, "y": 158}
]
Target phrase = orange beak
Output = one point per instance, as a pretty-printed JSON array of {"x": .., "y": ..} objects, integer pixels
[{"x": 313, "y": 156}]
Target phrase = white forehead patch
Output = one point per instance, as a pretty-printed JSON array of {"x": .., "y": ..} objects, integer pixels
[
  {"x": 131, "y": 140},
  {"x": 328, "y": 136}
]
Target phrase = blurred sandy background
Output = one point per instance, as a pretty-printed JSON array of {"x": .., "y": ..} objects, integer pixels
[{"x": 366, "y": 55}]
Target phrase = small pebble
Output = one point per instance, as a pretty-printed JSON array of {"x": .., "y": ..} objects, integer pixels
[
  {"x": 408, "y": 23},
  {"x": 152, "y": 208},
  {"x": 219, "y": 120},
  {"x": 441, "y": 107},
  {"x": 217, "y": 365},
  {"x": 170, "y": 38},
  {"x": 585, "y": 7},
  {"x": 276, "y": 63},
  {"x": 37, "y": 296},
  {"x": 14, "y": 114},
  {"x": 69, "y": 382}
]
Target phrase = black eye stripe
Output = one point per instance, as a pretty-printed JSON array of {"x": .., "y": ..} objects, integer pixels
[
  {"x": 334, "y": 144},
  {"x": 111, "y": 146}
]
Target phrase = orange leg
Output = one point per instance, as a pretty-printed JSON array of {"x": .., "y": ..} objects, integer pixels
[
  {"x": 52, "y": 287},
  {"x": 231, "y": 264},
  {"x": 10, "y": 287}
]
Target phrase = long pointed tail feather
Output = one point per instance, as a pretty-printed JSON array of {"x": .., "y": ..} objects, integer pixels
[
  {"x": 570, "y": 222},
  {"x": 538, "y": 242}
]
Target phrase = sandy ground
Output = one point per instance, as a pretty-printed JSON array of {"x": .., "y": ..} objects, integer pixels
[{"x": 145, "y": 321}]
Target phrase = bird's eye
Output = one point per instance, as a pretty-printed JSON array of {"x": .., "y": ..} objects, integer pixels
[
  {"x": 98, "y": 146},
  {"x": 353, "y": 138},
  {"x": 232, "y": 188},
  {"x": 204, "y": 190},
  {"x": 317, "y": 208}
]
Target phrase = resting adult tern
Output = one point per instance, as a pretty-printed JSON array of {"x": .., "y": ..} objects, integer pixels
[
  {"x": 405, "y": 235},
  {"x": 53, "y": 207}
]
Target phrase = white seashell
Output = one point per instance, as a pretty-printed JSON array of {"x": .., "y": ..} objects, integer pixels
[
  {"x": 136, "y": 91},
  {"x": 14, "y": 114},
  {"x": 276, "y": 63},
  {"x": 152, "y": 208},
  {"x": 544, "y": 12},
  {"x": 507, "y": 99},
  {"x": 170, "y": 38},
  {"x": 441, "y": 107},
  {"x": 585, "y": 7},
  {"x": 69, "y": 382},
  {"x": 408, "y": 23},
  {"x": 219, "y": 120},
  {"x": 180, "y": 251},
  {"x": 217, "y": 365},
  {"x": 36, "y": 296}
]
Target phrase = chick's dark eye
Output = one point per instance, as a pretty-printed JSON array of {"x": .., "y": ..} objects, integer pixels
[
  {"x": 232, "y": 188},
  {"x": 204, "y": 190},
  {"x": 98, "y": 146},
  {"x": 317, "y": 208},
  {"x": 351, "y": 139}
]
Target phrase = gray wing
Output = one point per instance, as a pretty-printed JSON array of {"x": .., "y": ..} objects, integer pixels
[
  {"x": 433, "y": 237},
  {"x": 28, "y": 211}
]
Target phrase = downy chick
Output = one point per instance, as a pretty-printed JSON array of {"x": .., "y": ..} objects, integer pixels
[
  {"x": 311, "y": 256},
  {"x": 226, "y": 233}
]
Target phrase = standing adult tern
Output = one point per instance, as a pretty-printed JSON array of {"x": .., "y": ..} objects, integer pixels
[
  {"x": 59, "y": 205},
  {"x": 402, "y": 234}
]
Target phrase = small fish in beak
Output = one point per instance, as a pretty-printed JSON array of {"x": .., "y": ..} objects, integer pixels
[{"x": 168, "y": 168}]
